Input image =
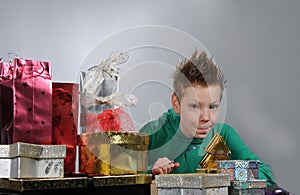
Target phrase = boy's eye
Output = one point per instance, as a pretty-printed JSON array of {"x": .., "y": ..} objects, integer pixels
[
  {"x": 213, "y": 107},
  {"x": 194, "y": 106}
]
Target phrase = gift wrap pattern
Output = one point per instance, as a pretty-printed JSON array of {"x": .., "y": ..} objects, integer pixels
[
  {"x": 24, "y": 160},
  {"x": 27, "y": 102},
  {"x": 65, "y": 120},
  {"x": 250, "y": 187},
  {"x": 239, "y": 169},
  {"x": 192, "y": 183}
]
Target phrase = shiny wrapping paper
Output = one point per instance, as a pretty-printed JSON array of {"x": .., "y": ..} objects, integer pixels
[
  {"x": 239, "y": 169},
  {"x": 28, "y": 102},
  {"x": 255, "y": 187},
  {"x": 24, "y": 160},
  {"x": 186, "y": 191},
  {"x": 192, "y": 180},
  {"x": 65, "y": 120},
  {"x": 6, "y": 98},
  {"x": 109, "y": 120},
  {"x": 73, "y": 182},
  {"x": 215, "y": 150},
  {"x": 113, "y": 153},
  {"x": 101, "y": 103},
  {"x": 116, "y": 180},
  {"x": 192, "y": 183},
  {"x": 42, "y": 183}
]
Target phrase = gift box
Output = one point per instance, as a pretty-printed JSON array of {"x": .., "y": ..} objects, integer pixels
[
  {"x": 65, "y": 120},
  {"x": 101, "y": 103},
  {"x": 113, "y": 153},
  {"x": 239, "y": 169},
  {"x": 25, "y": 160},
  {"x": 257, "y": 187},
  {"x": 192, "y": 183}
]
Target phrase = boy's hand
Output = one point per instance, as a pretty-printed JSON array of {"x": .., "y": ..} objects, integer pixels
[{"x": 164, "y": 166}]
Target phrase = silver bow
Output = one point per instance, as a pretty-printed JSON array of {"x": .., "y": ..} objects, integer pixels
[{"x": 93, "y": 87}]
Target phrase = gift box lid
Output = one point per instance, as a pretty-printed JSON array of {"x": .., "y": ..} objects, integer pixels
[
  {"x": 112, "y": 137},
  {"x": 28, "y": 150},
  {"x": 230, "y": 164},
  {"x": 192, "y": 180},
  {"x": 246, "y": 184}
]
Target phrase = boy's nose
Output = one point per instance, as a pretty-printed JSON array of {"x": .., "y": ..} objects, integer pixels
[{"x": 204, "y": 115}]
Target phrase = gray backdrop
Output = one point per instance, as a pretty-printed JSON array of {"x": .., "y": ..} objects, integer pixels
[{"x": 256, "y": 43}]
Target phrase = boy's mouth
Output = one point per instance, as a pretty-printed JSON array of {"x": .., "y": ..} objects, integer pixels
[{"x": 204, "y": 130}]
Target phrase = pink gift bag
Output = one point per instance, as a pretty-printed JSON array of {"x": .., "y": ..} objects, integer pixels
[
  {"x": 6, "y": 99},
  {"x": 26, "y": 101}
]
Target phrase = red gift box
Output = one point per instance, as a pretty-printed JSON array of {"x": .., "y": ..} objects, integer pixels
[{"x": 65, "y": 120}]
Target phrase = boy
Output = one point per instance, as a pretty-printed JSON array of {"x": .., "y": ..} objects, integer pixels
[{"x": 179, "y": 136}]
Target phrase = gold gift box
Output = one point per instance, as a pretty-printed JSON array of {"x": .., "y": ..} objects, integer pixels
[{"x": 113, "y": 153}]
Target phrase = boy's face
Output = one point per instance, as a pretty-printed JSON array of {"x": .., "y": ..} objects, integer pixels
[{"x": 198, "y": 109}]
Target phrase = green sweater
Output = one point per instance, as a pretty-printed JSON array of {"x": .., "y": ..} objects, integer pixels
[{"x": 166, "y": 140}]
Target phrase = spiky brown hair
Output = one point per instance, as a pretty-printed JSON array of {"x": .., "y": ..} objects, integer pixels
[{"x": 198, "y": 70}]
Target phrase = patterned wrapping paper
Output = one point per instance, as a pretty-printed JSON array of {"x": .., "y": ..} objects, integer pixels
[
  {"x": 26, "y": 184},
  {"x": 114, "y": 180},
  {"x": 65, "y": 120},
  {"x": 255, "y": 187},
  {"x": 24, "y": 160},
  {"x": 78, "y": 182},
  {"x": 239, "y": 169}
]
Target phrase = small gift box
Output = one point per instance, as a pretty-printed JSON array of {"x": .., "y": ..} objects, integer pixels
[
  {"x": 257, "y": 187},
  {"x": 113, "y": 153},
  {"x": 192, "y": 183},
  {"x": 24, "y": 160},
  {"x": 239, "y": 169}
]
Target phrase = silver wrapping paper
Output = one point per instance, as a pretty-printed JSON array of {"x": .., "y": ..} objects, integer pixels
[
  {"x": 36, "y": 168},
  {"x": 192, "y": 180},
  {"x": 28, "y": 150},
  {"x": 182, "y": 191},
  {"x": 24, "y": 160}
]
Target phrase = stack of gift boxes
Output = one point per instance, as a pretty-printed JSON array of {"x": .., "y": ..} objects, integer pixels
[
  {"x": 43, "y": 123},
  {"x": 243, "y": 176},
  {"x": 27, "y": 147}
]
